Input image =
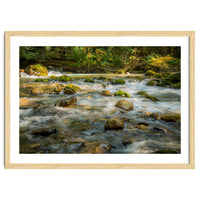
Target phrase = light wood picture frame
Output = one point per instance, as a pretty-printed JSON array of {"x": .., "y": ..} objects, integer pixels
[{"x": 116, "y": 34}]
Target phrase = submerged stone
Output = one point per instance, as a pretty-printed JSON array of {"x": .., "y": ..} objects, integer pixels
[
  {"x": 106, "y": 93},
  {"x": 171, "y": 117},
  {"x": 67, "y": 102},
  {"x": 124, "y": 104},
  {"x": 114, "y": 123}
]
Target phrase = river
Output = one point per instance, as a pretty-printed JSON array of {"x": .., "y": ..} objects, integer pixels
[{"x": 81, "y": 128}]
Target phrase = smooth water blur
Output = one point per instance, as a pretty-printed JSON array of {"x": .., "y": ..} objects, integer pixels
[{"x": 87, "y": 118}]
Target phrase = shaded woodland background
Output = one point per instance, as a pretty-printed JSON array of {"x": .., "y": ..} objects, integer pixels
[{"x": 88, "y": 59}]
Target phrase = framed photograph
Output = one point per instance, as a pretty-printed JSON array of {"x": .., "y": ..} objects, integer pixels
[{"x": 108, "y": 100}]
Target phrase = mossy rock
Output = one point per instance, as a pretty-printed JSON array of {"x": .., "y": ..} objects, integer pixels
[
  {"x": 124, "y": 104},
  {"x": 114, "y": 123},
  {"x": 171, "y": 117},
  {"x": 64, "y": 78},
  {"x": 53, "y": 77},
  {"x": 172, "y": 79},
  {"x": 67, "y": 102},
  {"x": 155, "y": 115},
  {"x": 37, "y": 70},
  {"x": 158, "y": 75},
  {"x": 122, "y": 94},
  {"x": 41, "y": 80},
  {"x": 142, "y": 93},
  {"x": 150, "y": 73},
  {"x": 150, "y": 83},
  {"x": 89, "y": 80},
  {"x": 159, "y": 84},
  {"x": 106, "y": 93},
  {"x": 117, "y": 81},
  {"x": 165, "y": 74},
  {"x": 147, "y": 96},
  {"x": 101, "y": 78},
  {"x": 74, "y": 87},
  {"x": 152, "y": 98}
]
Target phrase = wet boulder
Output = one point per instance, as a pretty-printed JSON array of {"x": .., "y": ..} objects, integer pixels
[
  {"x": 171, "y": 117},
  {"x": 89, "y": 80},
  {"x": 141, "y": 126},
  {"x": 106, "y": 93},
  {"x": 150, "y": 73},
  {"x": 114, "y": 123},
  {"x": 96, "y": 147},
  {"x": 124, "y": 104},
  {"x": 155, "y": 115},
  {"x": 73, "y": 87},
  {"x": 64, "y": 78},
  {"x": 117, "y": 81},
  {"x": 147, "y": 96},
  {"x": 37, "y": 91},
  {"x": 67, "y": 102}
]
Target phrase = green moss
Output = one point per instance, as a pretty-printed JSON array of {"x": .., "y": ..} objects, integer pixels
[
  {"x": 122, "y": 94},
  {"x": 150, "y": 83},
  {"x": 157, "y": 75},
  {"x": 159, "y": 84},
  {"x": 53, "y": 76},
  {"x": 89, "y": 80},
  {"x": 147, "y": 96},
  {"x": 36, "y": 70},
  {"x": 74, "y": 87},
  {"x": 177, "y": 86},
  {"x": 172, "y": 79},
  {"x": 117, "y": 81},
  {"x": 41, "y": 80},
  {"x": 64, "y": 78},
  {"x": 152, "y": 98},
  {"x": 165, "y": 74},
  {"x": 142, "y": 93},
  {"x": 150, "y": 73},
  {"x": 102, "y": 78}
]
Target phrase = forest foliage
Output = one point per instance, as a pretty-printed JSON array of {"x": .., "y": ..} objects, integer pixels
[{"x": 90, "y": 59}]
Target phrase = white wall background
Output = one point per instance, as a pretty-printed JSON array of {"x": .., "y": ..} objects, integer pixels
[{"x": 113, "y": 15}]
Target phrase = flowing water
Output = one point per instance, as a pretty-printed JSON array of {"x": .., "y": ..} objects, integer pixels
[{"x": 80, "y": 128}]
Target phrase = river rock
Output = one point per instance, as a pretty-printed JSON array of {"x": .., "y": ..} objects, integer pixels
[
  {"x": 124, "y": 104},
  {"x": 43, "y": 131},
  {"x": 74, "y": 140},
  {"x": 155, "y": 115},
  {"x": 37, "y": 91},
  {"x": 114, "y": 123},
  {"x": 106, "y": 93},
  {"x": 69, "y": 91},
  {"x": 141, "y": 126},
  {"x": 96, "y": 147},
  {"x": 67, "y": 102},
  {"x": 171, "y": 117}
]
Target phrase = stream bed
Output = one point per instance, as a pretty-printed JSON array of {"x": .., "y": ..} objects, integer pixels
[{"x": 46, "y": 127}]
